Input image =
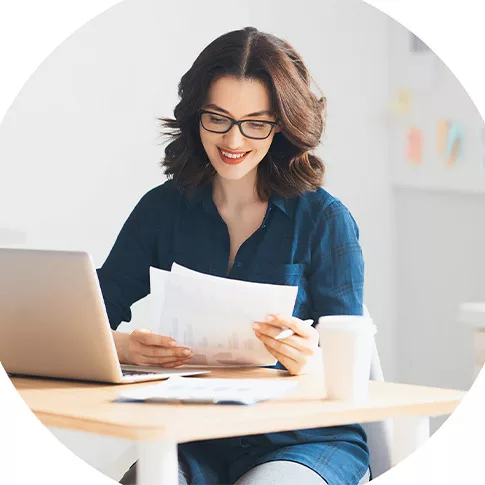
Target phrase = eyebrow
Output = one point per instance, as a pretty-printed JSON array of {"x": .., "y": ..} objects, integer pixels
[{"x": 257, "y": 113}]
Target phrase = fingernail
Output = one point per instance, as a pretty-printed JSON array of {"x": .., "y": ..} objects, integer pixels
[
  {"x": 269, "y": 318},
  {"x": 256, "y": 326},
  {"x": 172, "y": 343},
  {"x": 187, "y": 352}
]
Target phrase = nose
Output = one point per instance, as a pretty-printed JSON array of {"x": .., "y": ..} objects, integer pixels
[{"x": 234, "y": 139}]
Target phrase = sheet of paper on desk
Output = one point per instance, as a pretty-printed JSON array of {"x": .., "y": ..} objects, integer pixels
[
  {"x": 210, "y": 391},
  {"x": 213, "y": 316}
]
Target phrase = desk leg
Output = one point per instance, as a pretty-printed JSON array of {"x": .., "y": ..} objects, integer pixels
[
  {"x": 157, "y": 463},
  {"x": 410, "y": 433}
]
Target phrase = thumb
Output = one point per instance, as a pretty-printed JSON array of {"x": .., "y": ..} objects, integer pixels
[{"x": 141, "y": 334}]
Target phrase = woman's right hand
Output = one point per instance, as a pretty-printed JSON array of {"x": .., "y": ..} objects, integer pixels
[{"x": 143, "y": 347}]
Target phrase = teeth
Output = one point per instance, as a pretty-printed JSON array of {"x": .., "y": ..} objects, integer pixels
[{"x": 232, "y": 155}]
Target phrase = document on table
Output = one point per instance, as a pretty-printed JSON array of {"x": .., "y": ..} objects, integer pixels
[
  {"x": 214, "y": 316},
  {"x": 210, "y": 391}
]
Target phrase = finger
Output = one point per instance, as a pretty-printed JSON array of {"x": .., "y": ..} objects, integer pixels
[
  {"x": 138, "y": 348},
  {"x": 273, "y": 322},
  {"x": 279, "y": 346},
  {"x": 289, "y": 364},
  {"x": 172, "y": 363},
  {"x": 301, "y": 344},
  {"x": 162, "y": 362},
  {"x": 147, "y": 337},
  {"x": 175, "y": 364},
  {"x": 294, "y": 368},
  {"x": 294, "y": 323},
  {"x": 162, "y": 352}
]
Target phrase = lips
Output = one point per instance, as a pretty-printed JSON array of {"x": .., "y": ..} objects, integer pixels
[{"x": 232, "y": 161}]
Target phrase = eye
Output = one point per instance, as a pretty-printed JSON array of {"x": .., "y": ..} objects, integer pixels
[
  {"x": 256, "y": 126},
  {"x": 217, "y": 119}
]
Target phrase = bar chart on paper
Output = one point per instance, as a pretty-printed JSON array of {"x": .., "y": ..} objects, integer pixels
[
  {"x": 186, "y": 334},
  {"x": 214, "y": 317},
  {"x": 232, "y": 349}
]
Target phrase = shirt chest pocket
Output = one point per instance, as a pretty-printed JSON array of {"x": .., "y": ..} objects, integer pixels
[
  {"x": 280, "y": 274},
  {"x": 287, "y": 274}
]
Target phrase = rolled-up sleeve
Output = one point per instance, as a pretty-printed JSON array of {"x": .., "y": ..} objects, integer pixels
[
  {"x": 125, "y": 275},
  {"x": 336, "y": 276}
]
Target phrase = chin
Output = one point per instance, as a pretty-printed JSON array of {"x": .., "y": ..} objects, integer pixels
[
  {"x": 234, "y": 172},
  {"x": 231, "y": 173}
]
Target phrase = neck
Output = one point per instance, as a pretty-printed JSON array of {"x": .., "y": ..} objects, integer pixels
[{"x": 235, "y": 194}]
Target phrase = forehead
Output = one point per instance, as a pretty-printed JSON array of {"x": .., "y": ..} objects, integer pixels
[{"x": 239, "y": 96}]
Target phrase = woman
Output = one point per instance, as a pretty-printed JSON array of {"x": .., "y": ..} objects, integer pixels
[{"x": 244, "y": 201}]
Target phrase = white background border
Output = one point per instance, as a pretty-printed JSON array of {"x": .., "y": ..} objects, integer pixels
[{"x": 31, "y": 29}]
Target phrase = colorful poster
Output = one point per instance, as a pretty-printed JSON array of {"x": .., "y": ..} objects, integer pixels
[
  {"x": 450, "y": 141},
  {"x": 415, "y": 146},
  {"x": 443, "y": 127},
  {"x": 401, "y": 104}
]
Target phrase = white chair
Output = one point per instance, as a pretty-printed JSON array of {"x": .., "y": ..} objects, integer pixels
[{"x": 379, "y": 434}]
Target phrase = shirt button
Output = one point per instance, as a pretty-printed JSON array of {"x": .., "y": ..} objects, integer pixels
[
  {"x": 239, "y": 264},
  {"x": 245, "y": 443}
]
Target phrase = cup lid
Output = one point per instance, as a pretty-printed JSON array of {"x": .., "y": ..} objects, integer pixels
[{"x": 354, "y": 323}]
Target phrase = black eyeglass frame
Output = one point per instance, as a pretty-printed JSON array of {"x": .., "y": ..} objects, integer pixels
[{"x": 238, "y": 123}]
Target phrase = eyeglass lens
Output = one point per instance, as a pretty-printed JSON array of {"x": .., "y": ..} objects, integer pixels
[{"x": 221, "y": 124}]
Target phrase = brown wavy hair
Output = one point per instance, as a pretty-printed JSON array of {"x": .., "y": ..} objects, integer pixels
[{"x": 289, "y": 168}]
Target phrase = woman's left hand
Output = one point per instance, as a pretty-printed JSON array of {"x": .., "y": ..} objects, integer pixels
[{"x": 298, "y": 353}]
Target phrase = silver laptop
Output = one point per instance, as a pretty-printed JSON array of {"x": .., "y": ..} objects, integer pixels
[{"x": 53, "y": 321}]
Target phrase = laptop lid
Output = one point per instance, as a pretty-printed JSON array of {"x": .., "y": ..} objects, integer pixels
[{"x": 53, "y": 321}]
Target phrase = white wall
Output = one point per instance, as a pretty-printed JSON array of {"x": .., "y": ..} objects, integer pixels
[
  {"x": 440, "y": 216},
  {"x": 79, "y": 146}
]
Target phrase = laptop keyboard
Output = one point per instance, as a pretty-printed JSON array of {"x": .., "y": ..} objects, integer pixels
[{"x": 127, "y": 372}]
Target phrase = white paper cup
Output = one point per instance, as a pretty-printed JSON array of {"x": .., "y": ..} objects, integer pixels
[{"x": 347, "y": 342}]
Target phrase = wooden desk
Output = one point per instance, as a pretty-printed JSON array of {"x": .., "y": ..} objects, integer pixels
[{"x": 158, "y": 428}]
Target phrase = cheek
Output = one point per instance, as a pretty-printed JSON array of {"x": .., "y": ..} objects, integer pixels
[
  {"x": 207, "y": 140},
  {"x": 264, "y": 147},
  {"x": 203, "y": 137}
]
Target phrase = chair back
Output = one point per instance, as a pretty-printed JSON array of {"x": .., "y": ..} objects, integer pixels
[{"x": 379, "y": 434}]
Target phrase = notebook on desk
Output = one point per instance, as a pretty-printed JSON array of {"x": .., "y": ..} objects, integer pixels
[{"x": 209, "y": 391}]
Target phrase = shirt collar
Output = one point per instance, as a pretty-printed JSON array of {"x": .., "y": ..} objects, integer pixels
[
  {"x": 198, "y": 195},
  {"x": 287, "y": 206},
  {"x": 203, "y": 195}
]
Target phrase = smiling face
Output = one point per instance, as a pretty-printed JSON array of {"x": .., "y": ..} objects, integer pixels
[{"x": 233, "y": 155}]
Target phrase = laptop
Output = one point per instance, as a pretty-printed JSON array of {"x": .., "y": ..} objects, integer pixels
[{"x": 53, "y": 321}]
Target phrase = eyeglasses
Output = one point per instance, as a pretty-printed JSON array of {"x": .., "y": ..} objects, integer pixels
[{"x": 255, "y": 129}]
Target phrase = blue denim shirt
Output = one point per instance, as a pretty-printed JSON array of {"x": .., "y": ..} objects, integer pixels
[{"x": 310, "y": 241}]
